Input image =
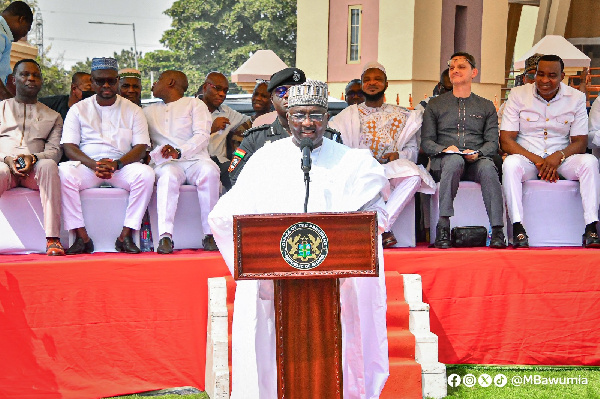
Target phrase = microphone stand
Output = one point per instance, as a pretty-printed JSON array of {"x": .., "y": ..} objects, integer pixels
[{"x": 306, "y": 145}]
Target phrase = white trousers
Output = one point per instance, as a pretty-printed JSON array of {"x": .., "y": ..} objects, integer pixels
[
  {"x": 364, "y": 338},
  {"x": 136, "y": 178},
  {"x": 202, "y": 173},
  {"x": 403, "y": 190},
  {"x": 583, "y": 167}
]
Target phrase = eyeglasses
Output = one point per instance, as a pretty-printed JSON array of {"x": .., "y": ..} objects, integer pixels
[
  {"x": 103, "y": 81},
  {"x": 530, "y": 76},
  {"x": 280, "y": 91},
  {"x": 218, "y": 88},
  {"x": 300, "y": 118}
]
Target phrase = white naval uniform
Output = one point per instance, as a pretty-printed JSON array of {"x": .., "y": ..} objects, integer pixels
[
  {"x": 342, "y": 180},
  {"x": 105, "y": 132},
  {"x": 405, "y": 176},
  {"x": 185, "y": 125},
  {"x": 594, "y": 129},
  {"x": 546, "y": 127}
]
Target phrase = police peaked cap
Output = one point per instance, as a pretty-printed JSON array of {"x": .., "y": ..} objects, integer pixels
[{"x": 285, "y": 77}]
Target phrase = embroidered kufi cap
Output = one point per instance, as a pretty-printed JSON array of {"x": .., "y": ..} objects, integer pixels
[
  {"x": 531, "y": 62},
  {"x": 286, "y": 77},
  {"x": 373, "y": 65},
  {"x": 311, "y": 92},
  {"x": 130, "y": 73},
  {"x": 104, "y": 63}
]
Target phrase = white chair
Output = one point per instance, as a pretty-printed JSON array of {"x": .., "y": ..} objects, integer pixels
[
  {"x": 22, "y": 222},
  {"x": 469, "y": 209},
  {"x": 187, "y": 229},
  {"x": 552, "y": 213},
  {"x": 103, "y": 213},
  {"x": 404, "y": 227}
]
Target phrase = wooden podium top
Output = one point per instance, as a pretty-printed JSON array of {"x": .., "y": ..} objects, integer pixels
[{"x": 305, "y": 245}]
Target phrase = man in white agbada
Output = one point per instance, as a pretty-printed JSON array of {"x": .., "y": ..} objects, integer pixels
[
  {"x": 391, "y": 134},
  {"x": 342, "y": 180},
  {"x": 105, "y": 136},
  {"x": 179, "y": 129}
]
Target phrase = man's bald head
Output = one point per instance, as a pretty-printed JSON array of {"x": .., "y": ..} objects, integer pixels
[{"x": 170, "y": 86}]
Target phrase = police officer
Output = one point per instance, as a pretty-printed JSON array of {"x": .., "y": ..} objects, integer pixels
[{"x": 256, "y": 137}]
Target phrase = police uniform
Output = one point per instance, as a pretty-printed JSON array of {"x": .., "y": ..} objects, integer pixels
[{"x": 257, "y": 137}]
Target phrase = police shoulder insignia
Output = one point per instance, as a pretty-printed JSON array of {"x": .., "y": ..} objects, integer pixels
[
  {"x": 234, "y": 163},
  {"x": 304, "y": 245}
]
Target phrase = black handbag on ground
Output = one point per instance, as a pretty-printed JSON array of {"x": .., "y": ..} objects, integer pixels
[{"x": 469, "y": 236}]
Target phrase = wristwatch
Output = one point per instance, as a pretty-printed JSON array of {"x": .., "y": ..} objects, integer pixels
[
  {"x": 563, "y": 156},
  {"x": 119, "y": 164},
  {"x": 178, "y": 153}
]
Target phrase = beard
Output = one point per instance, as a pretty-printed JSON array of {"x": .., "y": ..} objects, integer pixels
[{"x": 374, "y": 97}]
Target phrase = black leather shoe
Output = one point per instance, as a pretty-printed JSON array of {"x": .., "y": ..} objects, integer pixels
[
  {"x": 442, "y": 237},
  {"x": 591, "y": 239},
  {"x": 80, "y": 247},
  {"x": 127, "y": 246},
  {"x": 165, "y": 246},
  {"x": 498, "y": 240},
  {"x": 209, "y": 244},
  {"x": 520, "y": 241},
  {"x": 388, "y": 240}
]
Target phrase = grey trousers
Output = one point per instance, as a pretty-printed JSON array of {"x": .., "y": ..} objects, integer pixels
[{"x": 483, "y": 171}]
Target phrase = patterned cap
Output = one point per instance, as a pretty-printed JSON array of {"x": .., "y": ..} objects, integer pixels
[
  {"x": 311, "y": 92},
  {"x": 130, "y": 73},
  {"x": 373, "y": 65},
  {"x": 104, "y": 63},
  {"x": 531, "y": 62}
]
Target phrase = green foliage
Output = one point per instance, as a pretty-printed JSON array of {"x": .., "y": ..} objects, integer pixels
[
  {"x": 56, "y": 79},
  {"x": 220, "y": 35}
]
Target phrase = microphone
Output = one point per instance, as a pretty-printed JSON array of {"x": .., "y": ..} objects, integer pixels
[{"x": 306, "y": 146}]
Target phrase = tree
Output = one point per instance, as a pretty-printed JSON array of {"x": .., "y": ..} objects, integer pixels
[
  {"x": 56, "y": 79},
  {"x": 220, "y": 35}
]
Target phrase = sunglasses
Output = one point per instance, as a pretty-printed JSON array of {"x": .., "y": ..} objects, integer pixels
[
  {"x": 530, "y": 76},
  {"x": 280, "y": 91},
  {"x": 218, "y": 88},
  {"x": 103, "y": 81}
]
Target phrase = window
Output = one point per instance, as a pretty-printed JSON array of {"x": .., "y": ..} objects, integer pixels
[{"x": 354, "y": 14}]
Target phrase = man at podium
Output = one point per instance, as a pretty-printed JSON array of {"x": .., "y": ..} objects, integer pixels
[{"x": 341, "y": 180}]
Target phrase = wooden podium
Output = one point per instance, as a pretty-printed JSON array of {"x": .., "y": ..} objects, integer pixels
[{"x": 306, "y": 254}]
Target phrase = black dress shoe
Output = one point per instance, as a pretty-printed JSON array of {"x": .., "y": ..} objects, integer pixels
[
  {"x": 165, "y": 246},
  {"x": 498, "y": 240},
  {"x": 591, "y": 239},
  {"x": 209, "y": 244},
  {"x": 80, "y": 247},
  {"x": 442, "y": 237},
  {"x": 520, "y": 241},
  {"x": 388, "y": 240},
  {"x": 127, "y": 246}
]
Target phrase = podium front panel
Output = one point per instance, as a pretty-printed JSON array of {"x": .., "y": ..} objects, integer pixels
[{"x": 305, "y": 245}]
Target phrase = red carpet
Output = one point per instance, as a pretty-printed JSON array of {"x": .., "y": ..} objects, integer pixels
[{"x": 107, "y": 324}]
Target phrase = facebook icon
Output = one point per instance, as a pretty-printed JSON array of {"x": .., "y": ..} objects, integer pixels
[{"x": 454, "y": 380}]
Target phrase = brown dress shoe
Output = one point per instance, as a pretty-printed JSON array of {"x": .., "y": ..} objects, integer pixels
[
  {"x": 209, "y": 244},
  {"x": 54, "y": 247},
  {"x": 388, "y": 240}
]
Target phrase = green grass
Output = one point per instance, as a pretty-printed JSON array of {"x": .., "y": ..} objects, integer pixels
[{"x": 527, "y": 390}]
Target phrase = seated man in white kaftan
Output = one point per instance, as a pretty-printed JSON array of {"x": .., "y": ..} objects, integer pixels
[
  {"x": 342, "y": 180},
  {"x": 179, "y": 129},
  {"x": 391, "y": 133}
]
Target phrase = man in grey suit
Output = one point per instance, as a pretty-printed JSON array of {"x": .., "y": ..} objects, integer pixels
[{"x": 460, "y": 135}]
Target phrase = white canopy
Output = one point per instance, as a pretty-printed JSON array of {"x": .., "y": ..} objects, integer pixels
[{"x": 558, "y": 45}]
